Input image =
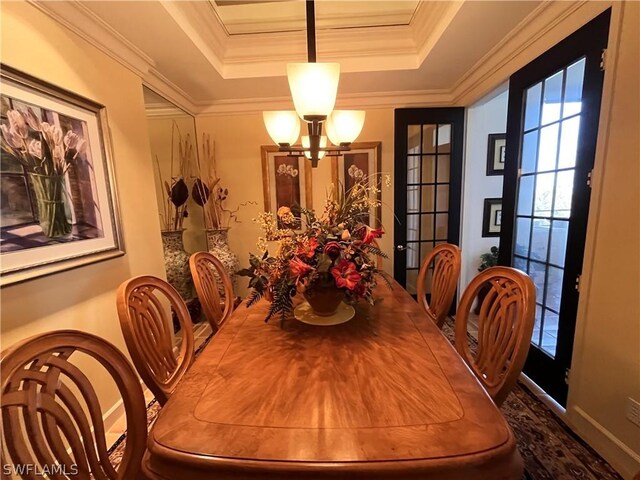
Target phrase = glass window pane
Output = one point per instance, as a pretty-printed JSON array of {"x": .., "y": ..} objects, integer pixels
[
  {"x": 548, "y": 148},
  {"x": 544, "y": 194},
  {"x": 444, "y": 164},
  {"x": 413, "y": 199},
  {"x": 425, "y": 249},
  {"x": 552, "y": 98},
  {"x": 428, "y": 169},
  {"x": 535, "y": 338},
  {"x": 532, "y": 107},
  {"x": 442, "y": 226},
  {"x": 539, "y": 240},
  {"x": 573, "y": 89},
  {"x": 525, "y": 195},
  {"x": 537, "y": 272},
  {"x": 413, "y": 169},
  {"x": 412, "y": 255},
  {"x": 9, "y": 163},
  {"x": 426, "y": 226},
  {"x": 554, "y": 288},
  {"x": 413, "y": 223},
  {"x": 564, "y": 194},
  {"x": 523, "y": 231},
  {"x": 550, "y": 332},
  {"x": 428, "y": 201},
  {"x": 442, "y": 198},
  {"x": 16, "y": 206},
  {"x": 429, "y": 139},
  {"x": 569, "y": 143},
  {"x": 529, "y": 152},
  {"x": 412, "y": 279},
  {"x": 559, "y": 230},
  {"x": 520, "y": 263},
  {"x": 413, "y": 139},
  {"x": 444, "y": 138}
]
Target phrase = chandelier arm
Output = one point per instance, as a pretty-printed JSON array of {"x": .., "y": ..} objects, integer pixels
[{"x": 311, "y": 31}]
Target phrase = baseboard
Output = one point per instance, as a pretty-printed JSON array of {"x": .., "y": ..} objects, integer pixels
[{"x": 612, "y": 449}]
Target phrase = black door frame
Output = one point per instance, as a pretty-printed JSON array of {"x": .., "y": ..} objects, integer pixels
[
  {"x": 403, "y": 117},
  {"x": 589, "y": 42}
]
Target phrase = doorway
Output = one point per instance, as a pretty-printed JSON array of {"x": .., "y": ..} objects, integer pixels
[{"x": 552, "y": 126}]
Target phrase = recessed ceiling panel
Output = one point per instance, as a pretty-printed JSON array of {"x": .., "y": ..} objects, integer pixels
[{"x": 271, "y": 16}]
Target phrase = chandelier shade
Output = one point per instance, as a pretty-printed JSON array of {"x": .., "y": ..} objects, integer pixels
[
  {"x": 314, "y": 87},
  {"x": 344, "y": 126},
  {"x": 306, "y": 144},
  {"x": 283, "y": 126}
]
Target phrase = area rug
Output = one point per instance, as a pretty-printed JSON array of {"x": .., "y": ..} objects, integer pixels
[{"x": 551, "y": 451}]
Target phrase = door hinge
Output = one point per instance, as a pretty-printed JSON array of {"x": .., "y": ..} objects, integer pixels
[
  {"x": 590, "y": 178},
  {"x": 567, "y": 374},
  {"x": 603, "y": 60},
  {"x": 577, "y": 286}
]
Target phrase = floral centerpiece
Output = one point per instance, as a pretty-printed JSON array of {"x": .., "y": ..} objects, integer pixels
[
  {"x": 46, "y": 152},
  {"x": 331, "y": 259}
]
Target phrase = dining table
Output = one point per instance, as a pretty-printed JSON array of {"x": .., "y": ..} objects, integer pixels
[{"x": 384, "y": 395}]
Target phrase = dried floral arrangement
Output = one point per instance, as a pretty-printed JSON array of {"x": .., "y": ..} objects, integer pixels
[
  {"x": 208, "y": 192},
  {"x": 175, "y": 206},
  {"x": 335, "y": 249}
]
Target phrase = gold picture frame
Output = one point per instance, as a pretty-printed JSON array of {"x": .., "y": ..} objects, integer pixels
[{"x": 364, "y": 158}]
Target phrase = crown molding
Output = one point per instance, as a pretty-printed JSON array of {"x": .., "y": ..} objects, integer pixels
[
  {"x": 83, "y": 22},
  {"x": 170, "y": 91},
  {"x": 428, "y": 25},
  {"x": 373, "y": 100}
]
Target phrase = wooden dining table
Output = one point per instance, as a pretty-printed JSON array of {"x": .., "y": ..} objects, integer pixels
[{"x": 384, "y": 395}]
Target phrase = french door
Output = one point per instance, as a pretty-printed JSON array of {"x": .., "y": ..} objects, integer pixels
[
  {"x": 427, "y": 173},
  {"x": 552, "y": 125}
]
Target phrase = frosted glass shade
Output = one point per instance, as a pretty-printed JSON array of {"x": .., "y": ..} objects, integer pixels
[
  {"x": 344, "y": 126},
  {"x": 283, "y": 126},
  {"x": 307, "y": 144},
  {"x": 313, "y": 87}
]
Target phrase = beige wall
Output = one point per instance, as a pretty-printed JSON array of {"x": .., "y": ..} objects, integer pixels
[
  {"x": 84, "y": 298},
  {"x": 238, "y": 139},
  {"x": 606, "y": 360}
]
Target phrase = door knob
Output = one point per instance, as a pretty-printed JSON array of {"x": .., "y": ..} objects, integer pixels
[{"x": 400, "y": 248}]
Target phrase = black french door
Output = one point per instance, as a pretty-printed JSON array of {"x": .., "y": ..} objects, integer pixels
[
  {"x": 428, "y": 179},
  {"x": 552, "y": 126}
]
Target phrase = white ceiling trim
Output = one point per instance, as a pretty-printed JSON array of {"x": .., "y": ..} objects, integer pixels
[
  {"x": 167, "y": 89},
  {"x": 428, "y": 25},
  {"x": 86, "y": 24}
]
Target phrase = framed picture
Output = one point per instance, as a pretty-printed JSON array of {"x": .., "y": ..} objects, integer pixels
[
  {"x": 286, "y": 180},
  {"x": 361, "y": 162},
  {"x": 495, "y": 154},
  {"x": 492, "y": 217},
  {"x": 58, "y": 199}
]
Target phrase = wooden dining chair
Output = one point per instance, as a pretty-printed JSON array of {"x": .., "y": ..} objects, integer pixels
[
  {"x": 145, "y": 305},
  {"x": 210, "y": 278},
  {"x": 51, "y": 417},
  {"x": 444, "y": 278},
  {"x": 505, "y": 325}
]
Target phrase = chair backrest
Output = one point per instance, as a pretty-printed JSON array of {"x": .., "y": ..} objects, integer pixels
[
  {"x": 210, "y": 279},
  {"x": 505, "y": 325},
  {"x": 51, "y": 417},
  {"x": 444, "y": 278},
  {"x": 145, "y": 306}
]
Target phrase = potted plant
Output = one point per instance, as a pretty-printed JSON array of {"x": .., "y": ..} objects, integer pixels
[
  {"x": 487, "y": 260},
  {"x": 327, "y": 258}
]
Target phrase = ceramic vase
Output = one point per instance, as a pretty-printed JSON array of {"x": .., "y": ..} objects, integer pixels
[
  {"x": 324, "y": 296},
  {"x": 218, "y": 246},
  {"x": 176, "y": 262}
]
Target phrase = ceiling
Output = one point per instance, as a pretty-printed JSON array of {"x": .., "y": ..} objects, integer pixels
[{"x": 213, "y": 53}]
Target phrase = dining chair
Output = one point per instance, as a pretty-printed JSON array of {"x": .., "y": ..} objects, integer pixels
[
  {"x": 505, "y": 325},
  {"x": 444, "y": 278},
  {"x": 210, "y": 278},
  {"x": 145, "y": 306},
  {"x": 51, "y": 417}
]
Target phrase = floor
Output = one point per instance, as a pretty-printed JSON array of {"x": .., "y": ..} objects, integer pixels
[{"x": 201, "y": 332}]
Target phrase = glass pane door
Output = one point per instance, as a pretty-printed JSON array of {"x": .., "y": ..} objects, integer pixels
[{"x": 552, "y": 114}]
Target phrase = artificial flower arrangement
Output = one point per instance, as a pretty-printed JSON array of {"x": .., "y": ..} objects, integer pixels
[{"x": 331, "y": 259}]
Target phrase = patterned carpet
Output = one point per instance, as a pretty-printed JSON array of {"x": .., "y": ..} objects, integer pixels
[{"x": 551, "y": 451}]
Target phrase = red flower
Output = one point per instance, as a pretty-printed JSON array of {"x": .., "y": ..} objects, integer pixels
[
  {"x": 332, "y": 249},
  {"x": 308, "y": 248},
  {"x": 370, "y": 234},
  {"x": 346, "y": 275},
  {"x": 298, "y": 268}
]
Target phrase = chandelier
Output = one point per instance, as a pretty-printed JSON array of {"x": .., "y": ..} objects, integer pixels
[{"x": 314, "y": 87}]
